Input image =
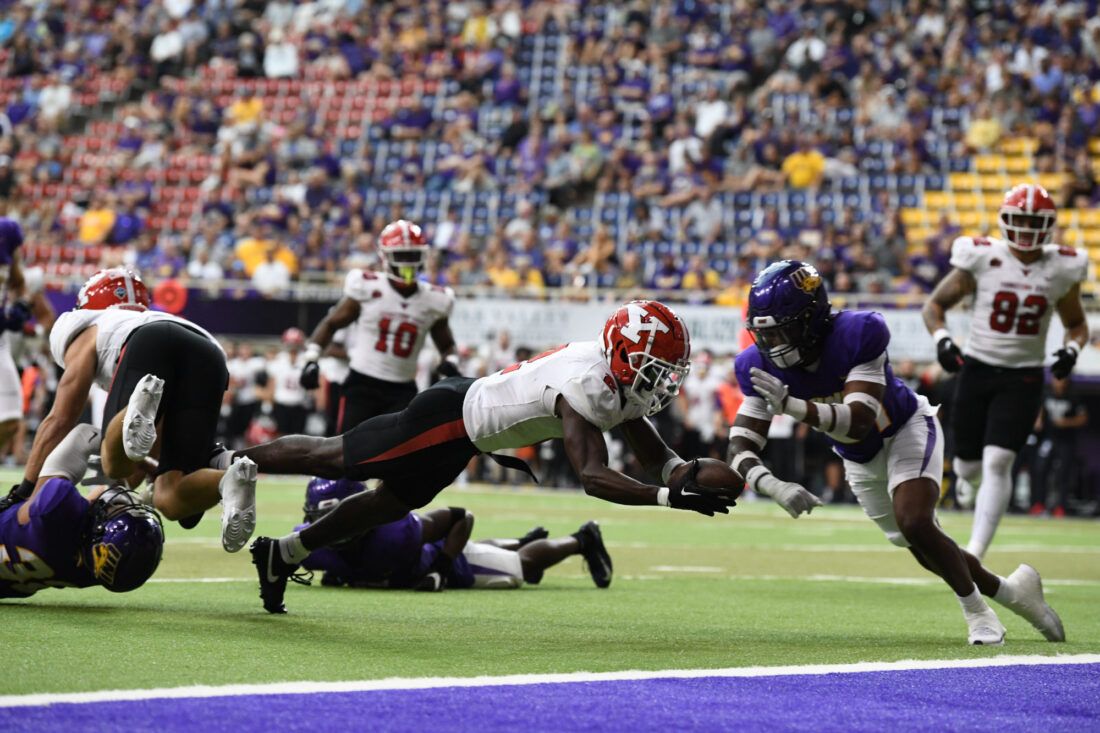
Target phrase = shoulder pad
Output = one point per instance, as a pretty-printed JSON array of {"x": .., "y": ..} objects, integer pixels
[
  {"x": 361, "y": 284},
  {"x": 968, "y": 253},
  {"x": 1068, "y": 261}
]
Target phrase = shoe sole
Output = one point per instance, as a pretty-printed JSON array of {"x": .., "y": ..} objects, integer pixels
[
  {"x": 238, "y": 523},
  {"x": 1000, "y": 642},
  {"x": 150, "y": 387}
]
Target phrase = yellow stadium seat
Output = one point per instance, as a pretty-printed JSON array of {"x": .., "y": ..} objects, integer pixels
[
  {"x": 918, "y": 234},
  {"x": 1088, "y": 217},
  {"x": 1019, "y": 145},
  {"x": 1017, "y": 165},
  {"x": 938, "y": 200},
  {"x": 974, "y": 219},
  {"x": 999, "y": 183},
  {"x": 989, "y": 163},
  {"x": 964, "y": 181},
  {"x": 1090, "y": 237},
  {"x": 967, "y": 201},
  {"x": 1051, "y": 181},
  {"x": 992, "y": 201},
  {"x": 1094, "y": 146},
  {"x": 913, "y": 217},
  {"x": 1067, "y": 218}
]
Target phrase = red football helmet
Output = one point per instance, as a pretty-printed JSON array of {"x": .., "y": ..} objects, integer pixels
[
  {"x": 1027, "y": 216},
  {"x": 116, "y": 287},
  {"x": 404, "y": 250},
  {"x": 648, "y": 349},
  {"x": 294, "y": 337}
]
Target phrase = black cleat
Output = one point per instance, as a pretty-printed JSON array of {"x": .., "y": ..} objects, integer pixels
[
  {"x": 433, "y": 582},
  {"x": 538, "y": 533},
  {"x": 273, "y": 571},
  {"x": 594, "y": 553}
]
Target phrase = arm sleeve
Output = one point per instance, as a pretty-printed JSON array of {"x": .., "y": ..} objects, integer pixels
[
  {"x": 873, "y": 371},
  {"x": 60, "y": 336}
]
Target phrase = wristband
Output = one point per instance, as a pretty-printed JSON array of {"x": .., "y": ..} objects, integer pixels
[
  {"x": 670, "y": 466},
  {"x": 755, "y": 475},
  {"x": 796, "y": 408},
  {"x": 26, "y": 488},
  {"x": 662, "y": 496},
  {"x": 312, "y": 352},
  {"x": 940, "y": 334}
]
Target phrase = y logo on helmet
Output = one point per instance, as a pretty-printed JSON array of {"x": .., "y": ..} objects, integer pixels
[
  {"x": 806, "y": 279},
  {"x": 105, "y": 559},
  {"x": 635, "y": 324}
]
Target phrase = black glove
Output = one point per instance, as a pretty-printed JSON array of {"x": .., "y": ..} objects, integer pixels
[
  {"x": 311, "y": 376},
  {"x": 686, "y": 493},
  {"x": 444, "y": 370},
  {"x": 435, "y": 579},
  {"x": 1064, "y": 359},
  {"x": 16, "y": 316},
  {"x": 18, "y": 493},
  {"x": 948, "y": 354}
]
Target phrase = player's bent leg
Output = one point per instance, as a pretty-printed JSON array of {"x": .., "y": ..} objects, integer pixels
[
  {"x": 993, "y": 497},
  {"x": 538, "y": 556},
  {"x": 304, "y": 454}
]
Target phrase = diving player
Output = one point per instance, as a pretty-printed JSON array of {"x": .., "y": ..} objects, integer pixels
[
  {"x": 433, "y": 551},
  {"x": 388, "y": 315},
  {"x": 575, "y": 392},
  {"x": 59, "y": 539},
  {"x": 1018, "y": 281},
  {"x": 831, "y": 371}
]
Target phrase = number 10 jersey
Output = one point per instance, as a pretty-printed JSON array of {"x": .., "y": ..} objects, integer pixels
[
  {"x": 1014, "y": 301},
  {"x": 386, "y": 339}
]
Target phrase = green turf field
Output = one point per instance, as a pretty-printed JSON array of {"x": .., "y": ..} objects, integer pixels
[{"x": 754, "y": 588}]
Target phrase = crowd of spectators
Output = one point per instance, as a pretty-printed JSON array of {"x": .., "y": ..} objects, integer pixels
[{"x": 668, "y": 144}]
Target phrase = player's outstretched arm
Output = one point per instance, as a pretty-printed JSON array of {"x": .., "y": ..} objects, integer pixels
[
  {"x": 444, "y": 342},
  {"x": 748, "y": 435},
  {"x": 1072, "y": 312},
  {"x": 587, "y": 452},
  {"x": 72, "y": 396},
  {"x": 953, "y": 288},
  {"x": 344, "y": 313}
]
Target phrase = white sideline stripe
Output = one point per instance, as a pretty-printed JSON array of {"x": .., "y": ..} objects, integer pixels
[
  {"x": 686, "y": 569},
  {"x": 427, "y": 683},
  {"x": 199, "y": 580}
]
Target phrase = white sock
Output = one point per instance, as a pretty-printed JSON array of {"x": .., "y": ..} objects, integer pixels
[
  {"x": 973, "y": 604},
  {"x": 993, "y": 497},
  {"x": 223, "y": 461},
  {"x": 291, "y": 549},
  {"x": 1005, "y": 594}
]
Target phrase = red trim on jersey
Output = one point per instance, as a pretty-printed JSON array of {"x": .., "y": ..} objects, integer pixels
[
  {"x": 115, "y": 372},
  {"x": 340, "y": 414},
  {"x": 439, "y": 434}
]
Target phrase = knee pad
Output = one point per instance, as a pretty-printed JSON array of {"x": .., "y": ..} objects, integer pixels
[
  {"x": 997, "y": 460},
  {"x": 968, "y": 469},
  {"x": 897, "y": 539}
]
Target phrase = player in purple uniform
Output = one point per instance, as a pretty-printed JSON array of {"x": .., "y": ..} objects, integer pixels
[
  {"x": 831, "y": 371},
  {"x": 59, "y": 539},
  {"x": 432, "y": 550}
]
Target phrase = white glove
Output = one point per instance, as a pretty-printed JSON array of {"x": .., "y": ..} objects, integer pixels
[
  {"x": 776, "y": 394},
  {"x": 787, "y": 494}
]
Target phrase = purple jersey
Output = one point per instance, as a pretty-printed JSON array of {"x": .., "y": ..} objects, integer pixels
[
  {"x": 857, "y": 338},
  {"x": 387, "y": 555},
  {"x": 44, "y": 553}
]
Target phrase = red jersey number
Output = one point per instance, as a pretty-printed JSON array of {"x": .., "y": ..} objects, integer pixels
[
  {"x": 404, "y": 338},
  {"x": 1008, "y": 313}
]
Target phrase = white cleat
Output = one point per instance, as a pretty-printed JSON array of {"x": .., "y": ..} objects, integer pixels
[
  {"x": 139, "y": 427},
  {"x": 238, "y": 490},
  {"x": 985, "y": 629},
  {"x": 1029, "y": 604}
]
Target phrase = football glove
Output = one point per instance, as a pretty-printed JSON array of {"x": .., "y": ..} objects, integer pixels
[
  {"x": 18, "y": 493},
  {"x": 688, "y": 494},
  {"x": 777, "y": 394},
  {"x": 310, "y": 377},
  {"x": 948, "y": 354},
  {"x": 787, "y": 494},
  {"x": 1064, "y": 360}
]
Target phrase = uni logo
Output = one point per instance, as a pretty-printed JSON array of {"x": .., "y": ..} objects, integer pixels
[
  {"x": 105, "y": 559},
  {"x": 806, "y": 279},
  {"x": 120, "y": 292}
]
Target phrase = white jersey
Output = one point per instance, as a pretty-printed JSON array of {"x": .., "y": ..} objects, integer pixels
[
  {"x": 390, "y": 330},
  {"x": 516, "y": 406},
  {"x": 114, "y": 327},
  {"x": 284, "y": 374},
  {"x": 1014, "y": 301},
  {"x": 243, "y": 375}
]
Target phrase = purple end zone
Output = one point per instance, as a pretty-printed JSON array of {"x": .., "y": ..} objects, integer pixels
[{"x": 1002, "y": 699}]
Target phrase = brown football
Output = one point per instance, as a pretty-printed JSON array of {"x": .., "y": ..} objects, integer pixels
[{"x": 713, "y": 474}]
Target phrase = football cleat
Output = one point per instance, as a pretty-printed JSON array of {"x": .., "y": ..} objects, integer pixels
[
  {"x": 238, "y": 490},
  {"x": 595, "y": 553},
  {"x": 538, "y": 533},
  {"x": 433, "y": 582},
  {"x": 985, "y": 629},
  {"x": 1029, "y": 604},
  {"x": 139, "y": 426},
  {"x": 273, "y": 572}
]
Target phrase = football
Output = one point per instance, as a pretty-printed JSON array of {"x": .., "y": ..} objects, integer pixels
[{"x": 712, "y": 474}]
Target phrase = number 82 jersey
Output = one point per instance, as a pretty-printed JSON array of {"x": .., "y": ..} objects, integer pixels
[
  {"x": 1014, "y": 301},
  {"x": 386, "y": 339}
]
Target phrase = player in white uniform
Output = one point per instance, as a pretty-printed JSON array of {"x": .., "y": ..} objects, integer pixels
[
  {"x": 575, "y": 392},
  {"x": 1018, "y": 281},
  {"x": 14, "y": 313},
  {"x": 287, "y": 394},
  {"x": 163, "y": 375},
  {"x": 388, "y": 315}
]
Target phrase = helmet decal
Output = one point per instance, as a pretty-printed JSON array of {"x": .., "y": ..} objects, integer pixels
[{"x": 806, "y": 279}]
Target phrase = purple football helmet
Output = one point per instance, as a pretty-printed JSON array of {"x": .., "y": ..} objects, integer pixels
[
  {"x": 11, "y": 239},
  {"x": 322, "y": 495},
  {"x": 122, "y": 540},
  {"x": 789, "y": 313}
]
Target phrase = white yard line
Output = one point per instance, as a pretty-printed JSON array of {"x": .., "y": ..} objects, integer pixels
[{"x": 425, "y": 683}]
